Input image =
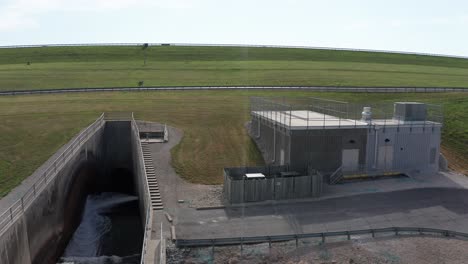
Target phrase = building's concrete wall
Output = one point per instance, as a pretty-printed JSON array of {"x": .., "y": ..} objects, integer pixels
[
  {"x": 410, "y": 147},
  {"x": 272, "y": 141},
  {"x": 322, "y": 148}
]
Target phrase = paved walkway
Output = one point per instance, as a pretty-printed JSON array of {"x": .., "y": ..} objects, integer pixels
[
  {"x": 436, "y": 201},
  {"x": 444, "y": 208}
]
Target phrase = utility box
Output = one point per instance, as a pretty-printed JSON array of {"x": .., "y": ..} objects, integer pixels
[{"x": 410, "y": 111}]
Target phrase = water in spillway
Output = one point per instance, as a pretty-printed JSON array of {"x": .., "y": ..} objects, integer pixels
[{"x": 110, "y": 231}]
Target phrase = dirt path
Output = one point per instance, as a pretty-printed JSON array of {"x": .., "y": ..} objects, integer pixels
[{"x": 175, "y": 191}]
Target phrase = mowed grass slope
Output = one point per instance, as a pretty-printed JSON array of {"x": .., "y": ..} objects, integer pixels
[
  {"x": 34, "y": 127},
  {"x": 75, "y": 67}
]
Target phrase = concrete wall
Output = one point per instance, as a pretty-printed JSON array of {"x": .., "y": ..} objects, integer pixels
[
  {"x": 273, "y": 142},
  {"x": 408, "y": 149},
  {"x": 42, "y": 232},
  {"x": 14, "y": 244},
  {"x": 390, "y": 149},
  {"x": 322, "y": 148},
  {"x": 139, "y": 174}
]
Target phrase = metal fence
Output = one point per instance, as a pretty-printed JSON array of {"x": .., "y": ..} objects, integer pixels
[
  {"x": 315, "y": 111},
  {"x": 323, "y": 235},
  {"x": 191, "y": 88},
  {"x": 278, "y": 183},
  {"x": 10, "y": 215}
]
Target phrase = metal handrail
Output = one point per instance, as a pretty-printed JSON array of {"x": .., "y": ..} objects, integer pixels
[
  {"x": 323, "y": 235},
  {"x": 242, "y": 87},
  {"x": 335, "y": 176},
  {"x": 147, "y": 228},
  {"x": 9, "y": 216}
]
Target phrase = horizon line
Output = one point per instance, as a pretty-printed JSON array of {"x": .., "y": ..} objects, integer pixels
[{"x": 233, "y": 45}]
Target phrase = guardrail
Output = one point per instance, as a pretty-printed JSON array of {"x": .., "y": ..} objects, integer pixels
[
  {"x": 8, "y": 217},
  {"x": 119, "y": 116},
  {"x": 148, "y": 223},
  {"x": 280, "y": 238},
  {"x": 191, "y": 88}
]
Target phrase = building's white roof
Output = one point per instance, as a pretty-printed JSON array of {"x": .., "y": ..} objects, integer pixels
[{"x": 304, "y": 119}]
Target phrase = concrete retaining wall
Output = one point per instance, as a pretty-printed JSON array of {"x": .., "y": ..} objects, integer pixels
[
  {"x": 42, "y": 231},
  {"x": 139, "y": 174},
  {"x": 15, "y": 245},
  {"x": 40, "y": 234}
]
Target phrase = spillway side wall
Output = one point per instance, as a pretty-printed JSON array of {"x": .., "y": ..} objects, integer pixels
[
  {"x": 42, "y": 230},
  {"x": 139, "y": 173}
]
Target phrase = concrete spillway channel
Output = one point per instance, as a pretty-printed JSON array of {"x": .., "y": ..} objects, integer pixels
[{"x": 93, "y": 200}]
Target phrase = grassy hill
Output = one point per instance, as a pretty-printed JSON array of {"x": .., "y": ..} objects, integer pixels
[
  {"x": 114, "y": 66},
  {"x": 34, "y": 127}
]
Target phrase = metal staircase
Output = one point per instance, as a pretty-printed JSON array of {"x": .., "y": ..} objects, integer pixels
[
  {"x": 336, "y": 176},
  {"x": 153, "y": 186}
]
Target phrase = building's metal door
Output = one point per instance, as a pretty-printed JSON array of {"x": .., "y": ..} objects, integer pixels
[
  {"x": 385, "y": 158},
  {"x": 350, "y": 160}
]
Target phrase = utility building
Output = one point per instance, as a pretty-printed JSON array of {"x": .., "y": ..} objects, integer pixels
[
  {"x": 337, "y": 137},
  {"x": 306, "y": 142}
]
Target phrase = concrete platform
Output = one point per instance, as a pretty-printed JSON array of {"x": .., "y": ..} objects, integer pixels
[
  {"x": 444, "y": 208},
  {"x": 420, "y": 200}
]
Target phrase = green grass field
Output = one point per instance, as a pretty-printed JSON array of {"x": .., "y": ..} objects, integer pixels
[
  {"x": 34, "y": 127},
  {"x": 71, "y": 67}
]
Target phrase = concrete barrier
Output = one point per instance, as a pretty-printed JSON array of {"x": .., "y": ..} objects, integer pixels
[
  {"x": 37, "y": 228},
  {"x": 51, "y": 210}
]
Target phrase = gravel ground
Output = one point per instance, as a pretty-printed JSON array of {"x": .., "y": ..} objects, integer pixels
[
  {"x": 173, "y": 187},
  {"x": 409, "y": 249}
]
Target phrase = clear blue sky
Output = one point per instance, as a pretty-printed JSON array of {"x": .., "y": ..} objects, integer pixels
[{"x": 418, "y": 26}]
